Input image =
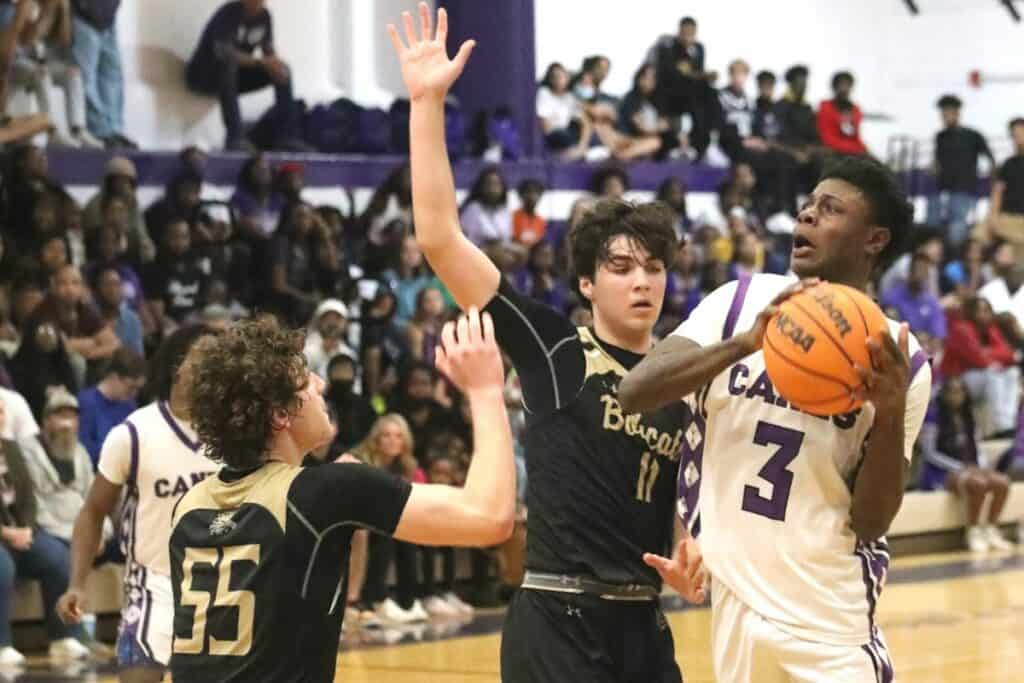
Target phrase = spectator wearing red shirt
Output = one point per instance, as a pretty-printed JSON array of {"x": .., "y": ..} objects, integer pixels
[
  {"x": 839, "y": 118},
  {"x": 977, "y": 351}
]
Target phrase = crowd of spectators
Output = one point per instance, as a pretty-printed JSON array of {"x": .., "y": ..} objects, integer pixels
[{"x": 87, "y": 293}]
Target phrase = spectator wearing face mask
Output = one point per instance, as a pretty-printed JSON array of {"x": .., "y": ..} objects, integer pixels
[
  {"x": 354, "y": 416},
  {"x": 326, "y": 336}
]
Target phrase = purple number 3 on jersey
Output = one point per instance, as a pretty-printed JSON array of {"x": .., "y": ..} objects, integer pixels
[{"x": 774, "y": 471}]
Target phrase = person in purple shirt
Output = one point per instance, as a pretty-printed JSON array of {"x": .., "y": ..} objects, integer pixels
[
  {"x": 914, "y": 303},
  {"x": 105, "y": 405},
  {"x": 225, "y": 62},
  {"x": 257, "y": 207}
]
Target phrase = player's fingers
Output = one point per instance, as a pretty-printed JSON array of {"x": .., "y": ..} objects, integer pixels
[
  {"x": 448, "y": 337},
  {"x": 879, "y": 358},
  {"x": 465, "y": 50},
  {"x": 426, "y": 24},
  {"x": 396, "y": 40},
  {"x": 442, "y": 26},
  {"x": 475, "y": 332},
  {"x": 441, "y": 359},
  {"x": 662, "y": 564},
  {"x": 410, "y": 29},
  {"x": 867, "y": 381}
]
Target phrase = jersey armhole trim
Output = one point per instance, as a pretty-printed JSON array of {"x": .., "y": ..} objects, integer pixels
[
  {"x": 133, "y": 467},
  {"x": 742, "y": 285}
]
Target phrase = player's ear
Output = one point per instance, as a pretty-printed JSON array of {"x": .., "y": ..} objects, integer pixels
[
  {"x": 587, "y": 288},
  {"x": 280, "y": 421},
  {"x": 878, "y": 240}
]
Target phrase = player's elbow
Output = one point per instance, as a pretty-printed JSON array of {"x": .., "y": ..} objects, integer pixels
[
  {"x": 870, "y": 527},
  {"x": 496, "y": 529}
]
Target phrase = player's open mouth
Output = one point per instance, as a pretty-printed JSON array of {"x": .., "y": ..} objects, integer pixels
[
  {"x": 642, "y": 305},
  {"x": 802, "y": 246}
]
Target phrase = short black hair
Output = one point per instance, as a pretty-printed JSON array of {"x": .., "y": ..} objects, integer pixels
[
  {"x": 887, "y": 201},
  {"x": 841, "y": 76},
  {"x": 687, "y": 21},
  {"x": 1014, "y": 122},
  {"x": 530, "y": 184},
  {"x": 163, "y": 366},
  {"x": 651, "y": 225},
  {"x": 795, "y": 72},
  {"x": 949, "y": 102},
  {"x": 125, "y": 363},
  {"x": 765, "y": 76},
  {"x": 601, "y": 176}
]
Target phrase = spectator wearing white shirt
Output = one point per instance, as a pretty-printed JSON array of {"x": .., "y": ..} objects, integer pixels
[
  {"x": 485, "y": 216},
  {"x": 326, "y": 336},
  {"x": 567, "y": 131},
  {"x": 19, "y": 423}
]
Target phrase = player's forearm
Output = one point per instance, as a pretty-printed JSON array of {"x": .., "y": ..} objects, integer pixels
[
  {"x": 433, "y": 186},
  {"x": 676, "y": 368},
  {"x": 878, "y": 489},
  {"x": 491, "y": 481},
  {"x": 84, "y": 540}
]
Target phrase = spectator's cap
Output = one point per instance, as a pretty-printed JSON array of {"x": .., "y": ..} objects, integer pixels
[
  {"x": 291, "y": 167},
  {"x": 331, "y": 306},
  {"x": 121, "y": 166},
  {"x": 59, "y": 400},
  {"x": 214, "y": 312},
  {"x": 949, "y": 102},
  {"x": 795, "y": 72}
]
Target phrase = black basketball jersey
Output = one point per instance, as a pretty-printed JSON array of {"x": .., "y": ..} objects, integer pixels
[
  {"x": 601, "y": 485},
  {"x": 259, "y": 569}
]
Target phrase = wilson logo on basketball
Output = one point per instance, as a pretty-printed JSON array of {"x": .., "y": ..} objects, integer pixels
[
  {"x": 791, "y": 329},
  {"x": 827, "y": 301}
]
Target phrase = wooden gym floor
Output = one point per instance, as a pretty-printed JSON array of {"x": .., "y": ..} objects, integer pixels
[{"x": 948, "y": 619}]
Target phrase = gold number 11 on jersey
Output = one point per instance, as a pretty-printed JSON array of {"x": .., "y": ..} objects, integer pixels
[
  {"x": 649, "y": 469},
  {"x": 242, "y": 600}
]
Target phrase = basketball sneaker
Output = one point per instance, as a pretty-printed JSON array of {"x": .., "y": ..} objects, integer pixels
[
  {"x": 463, "y": 608},
  {"x": 996, "y": 540},
  {"x": 439, "y": 607},
  {"x": 390, "y": 613},
  {"x": 977, "y": 540}
]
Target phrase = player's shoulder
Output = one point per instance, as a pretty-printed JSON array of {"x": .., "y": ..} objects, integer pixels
[
  {"x": 146, "y": 417},
  {"x": 758, "y": 290}
]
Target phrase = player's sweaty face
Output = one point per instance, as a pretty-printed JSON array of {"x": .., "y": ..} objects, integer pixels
[
  {"x": 831, "y": 232},
  {"x": 629, "y": 287}
]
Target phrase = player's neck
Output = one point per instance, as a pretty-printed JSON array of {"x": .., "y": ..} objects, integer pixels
[
  {"x": 178, "y": 405},
  {"x": 284, "y": 449},
  {"x": 636, "y": 342}
]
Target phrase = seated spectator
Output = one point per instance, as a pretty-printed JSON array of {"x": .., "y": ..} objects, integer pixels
[
  {"x": 386, "y": 221},
  {"x": 120, "y": 182},
  {"x": 765, "y": 125},
  {"x": 424, "y": 329},
  {"x": 1006, "y": 208},
  {"x": 70, "y": 214},
  {"x": 257, "y": 208},
  {"x": 968, "y": 273},
  {"x": 539, "y": 279},
  {"x": 385, "y": 351},
  {"x": 440, "y": 599},
  {"x": 28, "y": 289},
  {"x": 957, "y": 151},
  {"x": 529, "y": 227},
  {"x": 737, "y": 112},
  {"x": 672, "y": 193},
  {"x": 52, "y": 254},
  {"x": 326, "y": 336},
  {"x": 645, "y": 131},
  {"x": 389, "y": 446},
  {"x": 610, "y": 182},
  {"x": 59, "y": 466},
  {"x": 567, "y": 129},
  {"x": 951, "y": 463},
  {"x": 798, "y": 138},
  {"x": 42, "y": 59},
  {"x": 29, "y": 551},
  {"x": 682, "y": 286},
  {"x": 353, "y": 414},
  {"x": 925, "y": 240},
  {"x": 684, "y": 86},
  {"x": 225, "y": 64},
  {"x": 108, "y": 292},
  {"x": 292, "y": 291},
  {"x": 105, "y": 252},
  {"x": 26, "y": 181},
  {"x": 16, "y": 419},
  {"x": 587, "y": 86},
  {"x": 485, "y": 216},
  {"x": 63, "y": 329},
  {"x": 105, "y": 405},
  {"x": 290, "y": 181},
  {"x": 179, "y": 203},
  {"x": 408, "y": 279},
  {"x": 839, "y": 119},
  {"x": 977, "y": 351},
  {"x": 173, "y": 282},
  {"x": 416, "y": 400},
  {"x": 98, "y": 56},
  {"x": 915, "y": 305},
  {"x": 1006, "y": 293}
]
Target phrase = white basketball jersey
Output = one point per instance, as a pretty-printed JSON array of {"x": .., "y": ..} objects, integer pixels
[
  {"x": 157, "y": 458},
  {"x": 775, "y": 484}
]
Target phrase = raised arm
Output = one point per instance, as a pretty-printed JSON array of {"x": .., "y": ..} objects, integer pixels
[
  {"x": 482, "y": 512},
  {"x": 428, "y": 74}
]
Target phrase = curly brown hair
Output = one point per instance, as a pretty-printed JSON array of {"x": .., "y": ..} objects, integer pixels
[{"x": 238, "y": 382}]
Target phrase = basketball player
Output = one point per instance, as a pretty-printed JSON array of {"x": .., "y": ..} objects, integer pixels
[
  {"x": 258, "y": 551},
  {"x": 153, "y": 458},
  {"x": 602, "y": 481},
  {"x": 793, "y": 507}
]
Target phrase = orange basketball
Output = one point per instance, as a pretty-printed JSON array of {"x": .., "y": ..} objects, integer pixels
[{"x": 813, "y": 342}]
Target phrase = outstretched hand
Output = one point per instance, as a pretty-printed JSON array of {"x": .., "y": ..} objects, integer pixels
[
  {"x": 685, "y": 572},
  {"x": 426, "y": 68}
]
